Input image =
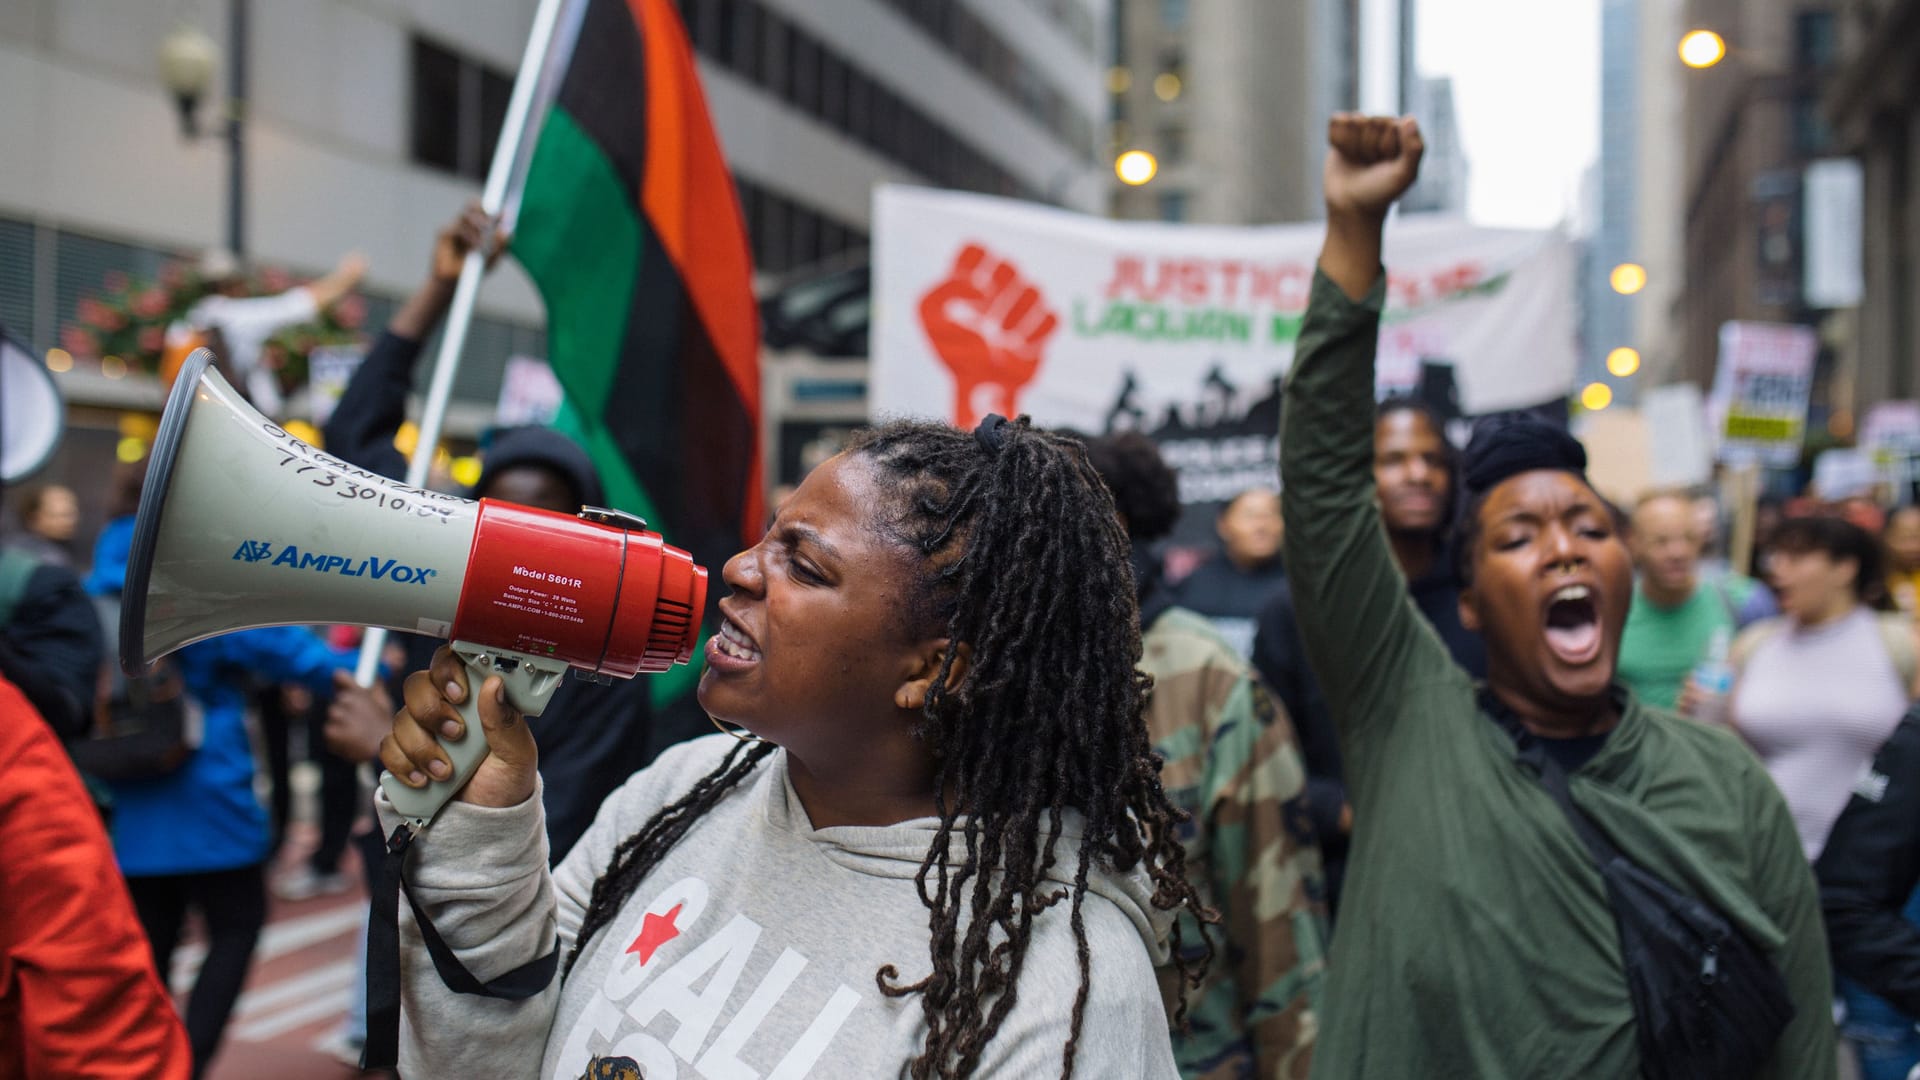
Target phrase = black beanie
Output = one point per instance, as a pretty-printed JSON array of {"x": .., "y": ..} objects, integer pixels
[
  {"x": 1524, "y": 445},
  {"x": 548, "y": 449}
]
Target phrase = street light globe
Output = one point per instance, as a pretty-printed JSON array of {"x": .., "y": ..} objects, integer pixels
[
  {"x": 1702, "y": 49},
  {"x": 187, "y": 59},
  {"x": 1596, "y": 396},
  {"x": 1135, "y": 167},
  {"x": 1623, "y": 362},
  {"x": 1628, "y": 278}
]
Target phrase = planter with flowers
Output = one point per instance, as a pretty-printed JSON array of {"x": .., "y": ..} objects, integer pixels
[{"x": 128, "y": 318}]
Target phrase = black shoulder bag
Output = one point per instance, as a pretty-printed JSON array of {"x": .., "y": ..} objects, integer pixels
[{"x": 1708, "y": 1003}]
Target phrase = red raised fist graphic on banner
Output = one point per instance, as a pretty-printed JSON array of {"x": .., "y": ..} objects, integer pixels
[{"x": 989, "y": 327}]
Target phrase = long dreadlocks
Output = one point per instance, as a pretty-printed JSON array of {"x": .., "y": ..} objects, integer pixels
[{"x": 1025, "y": 562}]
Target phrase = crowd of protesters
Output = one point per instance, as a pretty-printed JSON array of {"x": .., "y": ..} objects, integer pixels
[{"x": 1441, "y": 764}]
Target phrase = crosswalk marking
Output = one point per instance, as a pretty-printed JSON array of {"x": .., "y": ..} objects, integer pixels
[
  {"x": 278, "y": 939},
  {"x": 300, "y": 1015},
  {"x": 267, "y": 998}
]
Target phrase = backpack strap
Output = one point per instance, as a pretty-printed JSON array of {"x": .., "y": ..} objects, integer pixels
[{"x": 16, "y": 570}]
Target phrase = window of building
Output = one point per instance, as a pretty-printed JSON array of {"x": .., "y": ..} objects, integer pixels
[
  {"x": 1173, "y": 14},
  {"x": 1173, "y": 145},
  {"x": 1812, "y": 134},
  {"x": 459, "y": 106},
  {"x": 726, "y": 22},
  {"x": 1816, "y": 40},
  {"x": 806, "y": 237},
  {"x": 816, "y": 79},
  {"x": 803, "y": 74},
  {"x": 859, "y": 106},
  {"x": 743, "y": 39},
  {"x": 771, "y": 68},
  {"x": 1173, "y": 206},
  {"x": 495, "y": 90},
  {"x": 436, "y": 106},
  {"x": 833, "y": 90}
]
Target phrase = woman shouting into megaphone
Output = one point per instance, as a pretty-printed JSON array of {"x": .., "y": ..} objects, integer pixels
[{"x": 938, "y": 847}]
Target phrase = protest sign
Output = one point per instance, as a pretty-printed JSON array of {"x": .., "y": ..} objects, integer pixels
[
  {"x": 1187, "y": 332},
  {"x": 529, "y": 393},
  {"x": 1763, "y": 384},
  {"x": 329, "y": 369}
]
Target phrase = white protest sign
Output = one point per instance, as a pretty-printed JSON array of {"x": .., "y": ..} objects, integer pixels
[
  {"x": 1892, "y": 427},
  {"x": 1681, "y": 448},
  {"x": 529, "y": 393},
  {"x": 1764, "y": 381},
  {"x": 993, "y": 305},
  {"x": 329, "y": 369}
]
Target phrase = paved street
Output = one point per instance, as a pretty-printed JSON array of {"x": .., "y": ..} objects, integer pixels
[{"x": 298, "y": 990}]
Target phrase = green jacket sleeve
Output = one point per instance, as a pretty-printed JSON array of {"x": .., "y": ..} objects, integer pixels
[
  {"x": 1785, "y": 888},
  {"x": 1367, "y": 642}
]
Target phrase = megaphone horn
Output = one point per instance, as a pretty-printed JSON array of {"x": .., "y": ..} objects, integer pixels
[{"x": 242, "y": 525}]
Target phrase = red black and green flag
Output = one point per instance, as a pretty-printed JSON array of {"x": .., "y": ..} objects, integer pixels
[{"x": 628, "y": 223}]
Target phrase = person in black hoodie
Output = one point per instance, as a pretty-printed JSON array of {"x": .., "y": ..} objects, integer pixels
[
  {"x": 592, "y": 736},
  {"x": 1869, "y": 871},
  {"x": 1414, "y": 469}
]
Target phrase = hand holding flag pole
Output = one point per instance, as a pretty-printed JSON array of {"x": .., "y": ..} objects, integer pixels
[{"x": 507, "y": 169}]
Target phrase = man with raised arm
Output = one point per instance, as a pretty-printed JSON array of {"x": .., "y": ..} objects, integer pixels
[{"x": 1477, "y": 935}]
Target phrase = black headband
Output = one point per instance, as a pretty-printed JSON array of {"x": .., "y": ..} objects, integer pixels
[
  {"x": 992, "y": 433},
  {"x": 1506, "y": 450}
]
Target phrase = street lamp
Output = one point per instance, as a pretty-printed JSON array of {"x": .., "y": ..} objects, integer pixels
[
  {"x": 1628, "y": 278},
  {"x": 1135, "y": 167},
  {"x": 1596, "y": 397},
  {"x": 1623, "y": 362},
  {"x": 187, "y": 60},
  {"x": 1700, "y": 49}
]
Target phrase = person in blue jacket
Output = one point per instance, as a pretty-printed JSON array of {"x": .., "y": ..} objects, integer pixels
[{"x": 198, "y": 837}]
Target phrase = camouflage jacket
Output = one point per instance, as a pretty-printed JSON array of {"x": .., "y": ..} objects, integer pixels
[{"x": 1232, "y": 762}]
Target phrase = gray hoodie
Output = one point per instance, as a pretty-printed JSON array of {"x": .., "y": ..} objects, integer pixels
[{"x": 750, "y": 952}]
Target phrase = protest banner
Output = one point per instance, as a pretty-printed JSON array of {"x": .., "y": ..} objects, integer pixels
[{"x": 1186, "y": 332}]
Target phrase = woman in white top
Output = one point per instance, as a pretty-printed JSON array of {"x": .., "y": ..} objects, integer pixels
[
  {"x": 1824, "y": 684},
  {"x": 945, "y": 852}
]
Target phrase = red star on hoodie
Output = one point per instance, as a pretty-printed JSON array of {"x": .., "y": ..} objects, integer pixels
[{"x": 655, "y": 931}]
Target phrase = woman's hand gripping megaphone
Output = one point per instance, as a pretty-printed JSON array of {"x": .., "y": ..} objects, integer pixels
[{"x": 441, "y": 705}]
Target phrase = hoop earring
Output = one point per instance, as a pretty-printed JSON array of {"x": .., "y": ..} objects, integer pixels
[{"x": 725, "y": 730}]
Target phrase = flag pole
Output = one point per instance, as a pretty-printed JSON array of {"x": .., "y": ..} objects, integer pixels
[{"x": 502, "y": 171}]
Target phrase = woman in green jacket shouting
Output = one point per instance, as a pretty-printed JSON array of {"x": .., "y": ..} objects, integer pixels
[{"x": 1477, "y": 936}]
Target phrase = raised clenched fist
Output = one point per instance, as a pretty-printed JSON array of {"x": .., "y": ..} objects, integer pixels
[
  {"x": 989, "y": 327},
  {"x": 1371, "y": 161}
]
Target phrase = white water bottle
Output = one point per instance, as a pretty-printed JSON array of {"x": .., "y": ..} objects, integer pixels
[{"x": 1712, "y": 679}]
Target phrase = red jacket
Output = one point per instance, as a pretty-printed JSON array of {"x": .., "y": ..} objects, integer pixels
[{"x": 78, "y": 993}]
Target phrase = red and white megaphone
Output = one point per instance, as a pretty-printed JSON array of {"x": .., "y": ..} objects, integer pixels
[{"x": 242, "y": 525}]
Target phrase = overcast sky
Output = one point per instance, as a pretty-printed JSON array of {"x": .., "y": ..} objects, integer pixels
[{"x": 1526, "y": 84}]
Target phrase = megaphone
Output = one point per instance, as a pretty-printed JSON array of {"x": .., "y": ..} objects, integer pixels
[
  {"x": 32, "y": 416},
  {"x": 242, "y": 525}
]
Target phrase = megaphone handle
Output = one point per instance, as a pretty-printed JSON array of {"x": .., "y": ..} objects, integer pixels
[{"x": 530, "y": 682}]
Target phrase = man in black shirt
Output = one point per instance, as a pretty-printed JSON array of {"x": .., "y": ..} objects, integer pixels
[{"x": 1414, "y": 470}]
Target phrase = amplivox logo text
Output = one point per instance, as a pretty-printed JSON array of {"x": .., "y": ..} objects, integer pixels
[{"x": 368, "y": 566}]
